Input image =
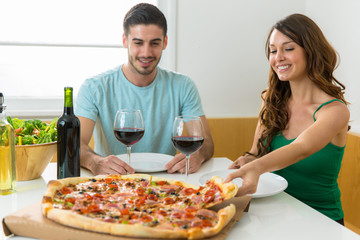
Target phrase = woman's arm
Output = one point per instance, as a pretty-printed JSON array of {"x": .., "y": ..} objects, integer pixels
[{"x": 330, "y": 126}]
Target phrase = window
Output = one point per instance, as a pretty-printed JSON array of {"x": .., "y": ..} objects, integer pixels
[{"x": 47, "y": 45}]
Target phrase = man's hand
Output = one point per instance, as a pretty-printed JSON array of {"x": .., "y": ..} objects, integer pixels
[
  {"x": 111, "y": 165},
  {"x": 178, "y": 163}
]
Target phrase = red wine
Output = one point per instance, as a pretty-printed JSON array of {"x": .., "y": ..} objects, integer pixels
[
  {"x": 187, "y": 145},
  {"x": 68, "y": 143},
  {"x": 129, "y": 136}
]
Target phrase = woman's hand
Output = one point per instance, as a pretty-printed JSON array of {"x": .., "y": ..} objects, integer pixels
[
  {"x": 241, "y": 161},
  {"x": 250, "y": 177}
]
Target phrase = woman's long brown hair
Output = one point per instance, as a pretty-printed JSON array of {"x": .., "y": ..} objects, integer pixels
[{"x": 321, "y": 62}]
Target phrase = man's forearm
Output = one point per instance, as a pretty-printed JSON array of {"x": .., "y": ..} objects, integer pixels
[
  {"x": 207, "y": 150},
  {"x": 88, "y": 157}
]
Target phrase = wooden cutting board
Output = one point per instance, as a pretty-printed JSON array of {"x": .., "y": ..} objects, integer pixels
[{"x": 29, "y": 222}]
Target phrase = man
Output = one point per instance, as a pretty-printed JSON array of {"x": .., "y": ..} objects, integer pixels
[{"x": 161, "y": 95}]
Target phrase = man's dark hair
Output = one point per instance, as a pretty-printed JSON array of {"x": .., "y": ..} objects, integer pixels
[{"x": 144, "y": 13}]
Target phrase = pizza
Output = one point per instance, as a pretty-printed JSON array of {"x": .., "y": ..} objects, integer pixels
[{"x": 140, "y": 205}]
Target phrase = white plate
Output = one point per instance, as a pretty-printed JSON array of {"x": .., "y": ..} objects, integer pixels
[
  {"x": 269, "y": 183},
  {"x": 147, "y": 162}
]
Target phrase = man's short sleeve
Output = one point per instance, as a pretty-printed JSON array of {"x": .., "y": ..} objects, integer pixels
[
  {"x": 191, "y": 101},
  {"x": 85, "y": 102}
]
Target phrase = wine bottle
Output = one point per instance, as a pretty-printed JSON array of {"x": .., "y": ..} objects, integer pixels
[
  {"x": 68, "y": 145},
  {"x": 7, "y": 153}
]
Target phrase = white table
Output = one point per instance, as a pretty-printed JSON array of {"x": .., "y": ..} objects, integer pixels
[{"x": 276, "y": 217}]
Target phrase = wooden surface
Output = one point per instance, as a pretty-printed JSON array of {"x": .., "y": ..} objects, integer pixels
[
  {"x": 232, "y": 136},
  {"x": 349, "y": 182}
]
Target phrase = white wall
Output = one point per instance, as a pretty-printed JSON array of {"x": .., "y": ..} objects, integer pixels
[
  {"x": 220, "y": 45},
  {"x": 340, "y": 22}
]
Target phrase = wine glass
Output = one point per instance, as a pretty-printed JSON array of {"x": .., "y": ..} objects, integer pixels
[
  {"x": 129, "y": 128},
  {"x": 187, "y": 136}
]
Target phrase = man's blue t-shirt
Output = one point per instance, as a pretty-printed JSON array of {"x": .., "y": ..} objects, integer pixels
[{"x": 169, "y": 95}]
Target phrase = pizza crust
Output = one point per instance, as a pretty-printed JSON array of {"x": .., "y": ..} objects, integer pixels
[
  {"x": 225, "y": 215},
  {"x": 72, "y": 219}
]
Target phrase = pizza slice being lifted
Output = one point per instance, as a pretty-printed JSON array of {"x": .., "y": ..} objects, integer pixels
[{"x": 140, "y": 205}]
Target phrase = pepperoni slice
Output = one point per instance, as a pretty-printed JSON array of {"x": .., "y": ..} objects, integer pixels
[
  {"x": 140, "y": 200},
  {"x": 98, "y": 195},
  {"x": 140, "y": 191},
  {"x": 209, "y": 198},
  {"x": 108, "y": 180},
  {"x": 189, "y": 216},
  {"x": 210, "y": 193},
  {"x": 176, "y": 215},
  {"x": 161, "y": 183},
  {"x": 88, "y": 196},
  {"x": 134, "y": 216},
  {"x": 191, "y": 209},
  {"x": 125, "y": 211},
  {"x": 113, "y": 186},
  {"x": 146, "y": 218},
  {"x": 206, "y": 223},
  {"x": 93, "y": 208},
  {"x": 162, "y": 212},
  {"x": 189, "y": 191},
  {"x": 65, "y": 190},
  {"x": 152, "y": 197},
  {"x": 70, "y": 200},
  {"x": 168, "y": 201}
]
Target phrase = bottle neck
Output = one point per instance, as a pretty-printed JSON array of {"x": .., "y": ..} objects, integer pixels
[
  {"x": 68, "y": 110},
  {"x": 2, "y": 114},
  {"x": 68, "y": 101}
]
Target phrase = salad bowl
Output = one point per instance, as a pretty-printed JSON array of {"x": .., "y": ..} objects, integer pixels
[{"x": 31, "y": 160}]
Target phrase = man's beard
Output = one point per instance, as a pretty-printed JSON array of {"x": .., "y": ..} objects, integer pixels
[{"x": 144, "y": 71}]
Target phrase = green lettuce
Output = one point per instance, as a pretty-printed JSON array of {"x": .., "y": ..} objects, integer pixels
[{"x": 33, "y": 131}]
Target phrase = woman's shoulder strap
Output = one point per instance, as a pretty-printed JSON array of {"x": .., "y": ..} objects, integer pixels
[{"x": 325, "y": 103}]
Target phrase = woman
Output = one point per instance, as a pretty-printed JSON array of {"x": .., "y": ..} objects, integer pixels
[{"x": 303, "y": 122}]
